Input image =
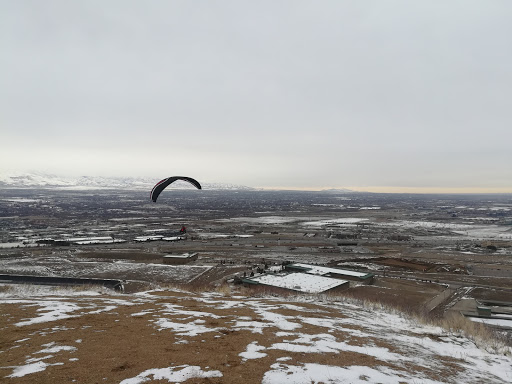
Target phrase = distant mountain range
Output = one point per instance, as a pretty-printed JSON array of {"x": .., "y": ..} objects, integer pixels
[
  {"x": 339, "y": 190},
  {"x": 43, "y": 180}
]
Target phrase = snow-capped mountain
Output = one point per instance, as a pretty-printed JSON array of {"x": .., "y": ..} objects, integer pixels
[
  {"x": 42, "y": 180},
  {"x": 18, "y": 179}
]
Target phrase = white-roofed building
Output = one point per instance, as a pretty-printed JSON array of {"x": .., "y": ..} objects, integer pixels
[
  {"x": 336, "y": 273},
  {"x": 299, "y": 282},
  {"x": 180, "y": 259}
]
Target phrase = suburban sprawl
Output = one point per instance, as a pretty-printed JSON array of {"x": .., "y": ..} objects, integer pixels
[{"x": 239, "y": 285}]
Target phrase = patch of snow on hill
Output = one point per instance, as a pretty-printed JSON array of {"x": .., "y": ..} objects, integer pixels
[
  {"x": 329, "y": 341},
  {"x": 172, "y": 375}
]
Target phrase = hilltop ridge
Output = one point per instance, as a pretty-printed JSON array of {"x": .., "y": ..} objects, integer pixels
[{"x": 57, "y": 335}]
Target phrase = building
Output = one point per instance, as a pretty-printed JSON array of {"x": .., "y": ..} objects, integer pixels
[
  {"x": 180, "y": 259},
  {"x": 298, "y": 282},
  {"x": 336, "y": 273},
  {"x": 80, "y": 240},
  {"x": 148, "y": 238},
  {"x": 173, "y": 238}
]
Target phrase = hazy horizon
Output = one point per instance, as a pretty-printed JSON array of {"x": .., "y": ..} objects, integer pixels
[
  {"x": 371, "y": 189},
  {"x": 383, "y": 96}
]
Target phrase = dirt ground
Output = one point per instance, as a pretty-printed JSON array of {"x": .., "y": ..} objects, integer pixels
[
  {"x": 491, "y": 294},
  {"x": 121, "y": 343},
  {"x": 404, "y": 294}
]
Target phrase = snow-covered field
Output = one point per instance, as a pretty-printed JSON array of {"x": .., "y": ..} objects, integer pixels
[
  {"x": 262, "y": 219},
  {"x": 59, "y": 266},
  {"x": 94, "y": 336},
  {"x": 471, "y": 230},
  {"x": 341, "y": 222}
]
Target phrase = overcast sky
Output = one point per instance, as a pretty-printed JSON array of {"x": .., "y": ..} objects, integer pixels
[{"x": 410, "y": 95}]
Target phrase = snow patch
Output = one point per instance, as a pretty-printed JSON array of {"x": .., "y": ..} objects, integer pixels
[
  {"x": 172, "y": 374},
  {"x": 252, "y": 351}
]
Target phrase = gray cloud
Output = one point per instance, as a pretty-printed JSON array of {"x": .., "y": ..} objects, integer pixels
[{"x": 288, "y": 93}]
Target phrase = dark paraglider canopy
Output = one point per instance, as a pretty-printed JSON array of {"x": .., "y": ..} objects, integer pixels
[{"x": 161, "y": 185}]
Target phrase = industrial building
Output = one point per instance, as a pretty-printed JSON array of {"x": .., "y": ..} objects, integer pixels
[
  {"x": 298, "y": 282},
  {"x": 180, "y": 259},
  {"x": 336, "y": 273}
]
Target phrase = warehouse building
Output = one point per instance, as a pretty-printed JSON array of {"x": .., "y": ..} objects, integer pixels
[
  {"x": 335, "y": 273},
  {"x": 298, "y": 282},
  {"x": 180, "y": 259}
]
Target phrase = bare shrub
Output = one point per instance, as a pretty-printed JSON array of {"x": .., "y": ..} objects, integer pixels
[
  {"x": 4, "y": 288},
  {"x": 454, "y": 324},
  {"x": 483, "y": 336},
  {"x": 223, "y": 289},
  {"x": 197, "y": 287},
  {"x": 87, "y": 288},
  {"x": 200, "y": 287}
]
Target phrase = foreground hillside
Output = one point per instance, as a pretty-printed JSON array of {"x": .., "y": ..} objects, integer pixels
[{"x": 58, "y": 336}]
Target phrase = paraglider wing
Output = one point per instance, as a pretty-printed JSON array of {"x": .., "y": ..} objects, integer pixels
[{"x": 161, "y": 185}]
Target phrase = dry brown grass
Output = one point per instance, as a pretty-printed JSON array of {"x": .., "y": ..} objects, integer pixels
[
  {"x": 455, "y": 324},
  {"x": 123, "y": 342},
  {"x": 119, "y": 344},
  {"x": 483, "y": 336}
]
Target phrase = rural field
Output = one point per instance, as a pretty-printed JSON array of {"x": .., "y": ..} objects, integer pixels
[{"x": 99, "y": 286}]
